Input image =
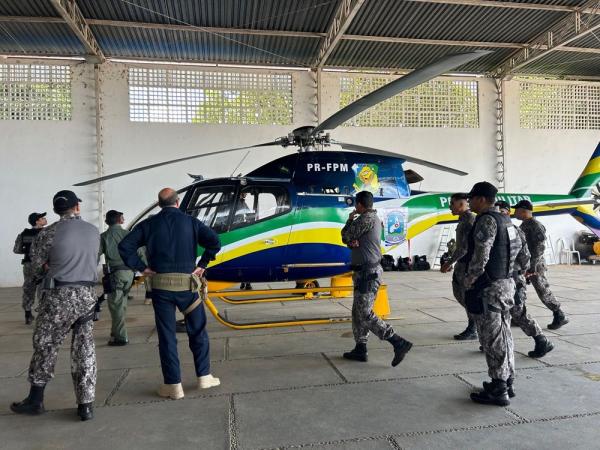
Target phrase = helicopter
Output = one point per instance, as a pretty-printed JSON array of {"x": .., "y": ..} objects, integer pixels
[{"x": 282, "y": 221}]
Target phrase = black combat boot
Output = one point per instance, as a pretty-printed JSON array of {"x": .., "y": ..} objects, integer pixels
[
  {"x": 359, "y": 353},
  {"x": 509, "y": 387},
  {"x": 33, "y": 405},
  {"x": 401, "y": 348},
  {"x": 470, "y": 333},
  {"x": 542, "y": 346},
  {"x": 85, "y": 411},
  {"x": 559, "y": 320},
  {"x": 496, "y": 393},
  {"x": 28, "y": 317}
]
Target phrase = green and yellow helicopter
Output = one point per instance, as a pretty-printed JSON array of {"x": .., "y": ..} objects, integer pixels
[{"x": 282, "y": 221}]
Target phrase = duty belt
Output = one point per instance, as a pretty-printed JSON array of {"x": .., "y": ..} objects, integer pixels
[
  {"x": 181, "y": 282},
  {"x": 357, "y": 267},
  {"x": 58, "y": 283}
]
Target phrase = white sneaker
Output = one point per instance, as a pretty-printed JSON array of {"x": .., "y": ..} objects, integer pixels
[
  {"x": 208, "y": 381},
  {"x": 172, "y": 391}
]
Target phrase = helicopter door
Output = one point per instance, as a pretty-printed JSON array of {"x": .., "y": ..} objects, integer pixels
[{"x": 260, "y": 228}]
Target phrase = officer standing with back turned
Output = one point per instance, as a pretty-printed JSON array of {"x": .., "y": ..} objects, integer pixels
[
  {"x": 362, "y": 233},
  {"x": 23, "y": 247},
  {"x": 493, "y": 248},
  {"x": 171, "y": 238},
  {"x": 67, "y": 251}
]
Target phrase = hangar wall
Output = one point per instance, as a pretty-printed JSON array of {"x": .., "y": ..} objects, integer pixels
[{"x": 43, "y": 157}]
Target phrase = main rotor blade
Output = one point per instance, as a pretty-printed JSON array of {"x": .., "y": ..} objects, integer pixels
[
  {"x": 173, "y": 161},
  {"x": 408, "y": 81},
  {"x": 422, "y": 162}
]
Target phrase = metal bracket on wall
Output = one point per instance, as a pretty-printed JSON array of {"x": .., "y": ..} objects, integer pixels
[{"x": 500, "y": 167}]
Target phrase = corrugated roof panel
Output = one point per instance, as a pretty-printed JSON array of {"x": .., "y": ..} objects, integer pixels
[
  {"x": 205, "y": 47},
  {"x": 565, "y": 63},
  {"x": 27, "y": 8},
  {"x": 591, "y": 40},
  {"x": 365, "y": 54},
  {"x": 39, "y": 39},
  {"x": 296, "y": 15},
  {"x": 451, "y": 22}
]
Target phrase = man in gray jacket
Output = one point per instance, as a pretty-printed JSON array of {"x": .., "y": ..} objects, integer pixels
[
  {"x": 66, "y": 252},
  {"x": 362, "y": 233}
]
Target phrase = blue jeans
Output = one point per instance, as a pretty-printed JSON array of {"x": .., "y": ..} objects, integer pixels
[{"x": 164, "y": 303}]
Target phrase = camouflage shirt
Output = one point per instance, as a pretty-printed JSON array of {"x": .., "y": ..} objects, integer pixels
[
  {"x": 465, "y": 223},
  {"x": 366, "y": 229},
  {"x": 535, "y": 234},
  {"x": 523, "y": 257}
]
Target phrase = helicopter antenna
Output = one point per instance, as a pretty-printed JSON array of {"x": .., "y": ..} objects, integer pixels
[{"x": 239, "y": 164}]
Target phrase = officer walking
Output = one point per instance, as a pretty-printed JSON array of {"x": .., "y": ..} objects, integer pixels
[
  {"x": 121, "y": 276},
  {"x": 67, "y": 251},
  {"x": 171, "y": 239},
  {"x": 23, "y": 247},
  {"x": 518, "y": 313},
  {"x": 493, "y": 247},
  {"x": 536, "y": 242},
  {"x": 362, "y": 233},
  {"x": 459, "y": 207}
]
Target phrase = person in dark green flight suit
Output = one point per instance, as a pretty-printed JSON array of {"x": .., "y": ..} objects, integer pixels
[{"x": 121, "y": 276}]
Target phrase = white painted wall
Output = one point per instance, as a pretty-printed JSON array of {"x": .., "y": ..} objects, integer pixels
[{"x": 39, "y": 158}]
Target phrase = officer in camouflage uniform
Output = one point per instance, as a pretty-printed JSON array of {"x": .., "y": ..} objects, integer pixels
[
  {"x": 67, "y": 251},
  {"x": 536, "y": 242},
  {"x": 23, "y": 247},
  {"x": 362, "y": 233},
  {"x": 459, "y": 207},
  {"x": 493, "y": 247},
  {"x": 518, "y": 313},
  {"x": 121, "y": 276}
]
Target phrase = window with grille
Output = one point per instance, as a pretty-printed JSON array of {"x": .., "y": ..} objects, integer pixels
[
  {"x": 35, "y": 92},
  {"x": 437, "y": 104},
  {"x": 187, "y": 96},
  {"x": 559, "y": 106}
]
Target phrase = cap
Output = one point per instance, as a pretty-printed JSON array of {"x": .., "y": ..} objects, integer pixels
[
  {"x": 483, "y": 189},
  {"x": 33, "y": 218},
  {"x": 524, "y": 204},
  {"x": 503, "y": 205},
  {"x": 64, "y": 200},
  {"x": 112, "y": 215}
]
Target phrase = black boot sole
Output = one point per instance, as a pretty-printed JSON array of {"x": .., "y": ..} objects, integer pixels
[
  {"x": 355, "y": 357},
  {"x": 30, "y": 411},
  {"x": 548, "y": 349},
  {"x": 488, "y": 401},
  {"x": 465, "y": 337},
  {"x": 400, "y": 353},
  {"x": 552, "y": 326}
]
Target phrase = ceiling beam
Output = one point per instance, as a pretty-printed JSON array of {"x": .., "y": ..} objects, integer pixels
[
  {"x": 71, "y": 13},
  {"x": 346, "y": 11},
  {"x": 556, "y": 38},
  {"x": 514, "y": 5}
]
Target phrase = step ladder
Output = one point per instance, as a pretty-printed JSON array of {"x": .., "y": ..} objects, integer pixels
[
  {"x": 446, "y": 233},
  {"x": 549, "y": 253}
]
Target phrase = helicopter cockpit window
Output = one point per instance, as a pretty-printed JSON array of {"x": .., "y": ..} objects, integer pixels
[
  {"x": 212, "y": 206},
  {"x": 259, "y": 203}
]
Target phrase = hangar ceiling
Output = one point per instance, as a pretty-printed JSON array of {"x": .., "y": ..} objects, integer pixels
[{"x": 538, "y": 37}]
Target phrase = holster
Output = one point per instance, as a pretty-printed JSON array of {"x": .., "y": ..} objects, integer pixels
[
  {"x": 474, "y": 302},
  {"x": 362, "y": 282}
]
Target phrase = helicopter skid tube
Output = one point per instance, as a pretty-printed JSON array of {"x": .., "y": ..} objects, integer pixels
[
  {"x": 279, "y": 295},
  {"x": 270, "y": 324}
]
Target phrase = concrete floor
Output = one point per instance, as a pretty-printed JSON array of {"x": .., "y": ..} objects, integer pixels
[{"x": 289, "y": 387}]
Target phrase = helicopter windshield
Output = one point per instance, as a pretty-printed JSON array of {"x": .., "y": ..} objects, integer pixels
[{"x": 212, "y": 206}]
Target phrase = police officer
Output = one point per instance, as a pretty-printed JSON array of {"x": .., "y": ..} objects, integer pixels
[
  {"x": 23, "y": 247},
  {"x": 171, "y": 239},
  {"x": 536, "y": 242},
  {"x": 362, "y": 233},
  {"x": 493, "y": 247},
  {"x": 121, "y": 276},
  {"x": 67, "y": 251},
  {"x": 518, "y": 313},
  {"x": 459, "y": 207}
]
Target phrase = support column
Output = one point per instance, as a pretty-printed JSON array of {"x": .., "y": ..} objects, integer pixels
[
  {"x": 99, "y": 143},
  {"x": 500, "y": 138}
]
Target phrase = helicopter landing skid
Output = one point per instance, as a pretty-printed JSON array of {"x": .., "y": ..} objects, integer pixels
[{"x": 380, "y": 308}]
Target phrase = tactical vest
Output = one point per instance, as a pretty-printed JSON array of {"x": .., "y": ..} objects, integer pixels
[
  {"x": 503, "y": 252},
  {"x": 27, "y": 237}
]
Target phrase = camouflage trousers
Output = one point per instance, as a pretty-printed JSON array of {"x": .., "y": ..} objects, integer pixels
[
  {"x": 519, "y": 314},
  {"x": 493, "y": 327},
  {"x": 30, "y": 287},
  {"x": 542, "y": 288},
  {"x": 366, "y": 285},
  {"x": 59, "y": 312},
  {"x": 458, "y": 287}
]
